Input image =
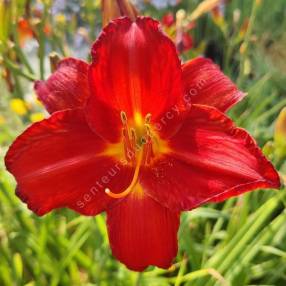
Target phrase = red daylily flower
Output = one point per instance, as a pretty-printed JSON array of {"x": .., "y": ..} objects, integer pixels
[{"x": 139, "y": 136}]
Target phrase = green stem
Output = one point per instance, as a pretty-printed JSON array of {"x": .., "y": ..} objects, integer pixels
[
  {"x": 15, "y": 69},
  {"x": 19, "y": 51},
  {"x": 138, "y": 279},
  {"x": 245, "y": 43}
]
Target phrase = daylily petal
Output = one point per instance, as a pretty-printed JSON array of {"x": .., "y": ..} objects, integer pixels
[
  {"x": 135, "y": 69},
  {"x": 204, "y": 83},
  {"x": 66, "y": 88},
  {"x": 142, "y": 232},
  {"x": 60, "y": 162},
  {"x": 210, "y": 160}
]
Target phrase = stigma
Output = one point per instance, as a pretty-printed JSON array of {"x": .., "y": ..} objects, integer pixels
[{"x": 138, "y": 149}]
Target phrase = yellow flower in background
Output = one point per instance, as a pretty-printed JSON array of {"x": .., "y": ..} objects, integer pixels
[
  {"x": 18, "y": 106},
  {"x": 60, "y": 19},
  {"x": 284, "y": 179},
  {"x": 280, "y": 134},
  {"x": 37, "y": 116}
]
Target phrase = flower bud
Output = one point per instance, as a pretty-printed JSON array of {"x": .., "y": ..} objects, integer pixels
[
  {"x": 280, "y": 134},
  {"x": 112, "y": 9}
]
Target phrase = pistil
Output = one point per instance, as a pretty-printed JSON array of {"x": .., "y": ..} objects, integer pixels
[{"x": 133, "y": 182}]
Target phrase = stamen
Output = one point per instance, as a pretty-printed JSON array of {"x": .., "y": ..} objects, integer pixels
[
  {"x": 127, "y": 144},
  {"x": 148, "y": 118},
  {"x": 132, "y": 184},
  {"x": 123, "y": 117},
  {"x": 143, "y": 140},
  {"x": 146, "y": 153},
  {"x": 148, "y": 130},
  {"x": 133, "y": 137}
]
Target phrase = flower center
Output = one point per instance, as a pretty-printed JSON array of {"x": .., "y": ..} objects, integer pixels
[{"x": 138, "y": 147}]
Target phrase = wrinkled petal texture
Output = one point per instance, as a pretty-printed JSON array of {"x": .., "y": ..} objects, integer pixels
[
  {"x": 204, "y": 83},
  {"x": 135, "y": 69},
  {"x": 66, "y": 88},
  {"x": 210, "y": 160},
  {"x": 60, "y": 162},
  {"x": 142, "y": 232}
]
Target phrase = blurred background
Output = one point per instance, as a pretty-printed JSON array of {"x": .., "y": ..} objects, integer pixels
[{"x": 239, "y": 242}]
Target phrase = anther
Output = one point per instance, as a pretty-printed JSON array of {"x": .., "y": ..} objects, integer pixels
[
  {"x": 148, "y": 118},
  {"x": 143, "y": 140},
  {"x": 133, "y": 137},
  {"x": 123, "y": 117}
]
